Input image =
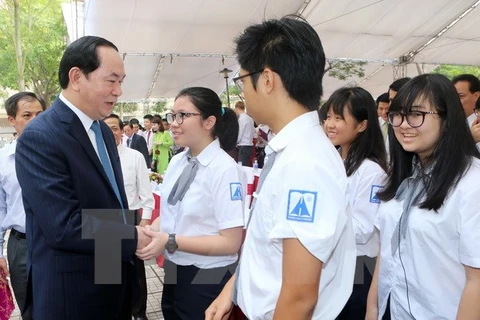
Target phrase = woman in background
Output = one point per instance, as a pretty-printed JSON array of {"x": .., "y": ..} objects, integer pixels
[{"x": 162, "y": 141}]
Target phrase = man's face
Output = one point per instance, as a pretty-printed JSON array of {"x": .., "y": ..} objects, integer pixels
[
  {"x": 383, "y": 109},
  {"x": 114, "y": 125},
  {"x": 467, "y": 98},
  {"x": 147, "y": 124},
  {"x": 27, "y": 110},
  {"x": 100, "y": 90},
  {"x": 128, "y": 131},
  {"x": 166, "y": 126}
]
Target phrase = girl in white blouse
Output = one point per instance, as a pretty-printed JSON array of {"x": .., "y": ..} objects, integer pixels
[
  {"x": 352, "y": 124},
  {"x": 201, "y": 218},
  {"x": 429, "y": 222}
]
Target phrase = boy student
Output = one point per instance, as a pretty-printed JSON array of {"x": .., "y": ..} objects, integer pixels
[{"x": 298, "y": 257}]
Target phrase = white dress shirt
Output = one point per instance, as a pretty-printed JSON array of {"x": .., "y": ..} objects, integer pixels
[
  {"x": 363, "y": 186},
  {"x": 470, "y": 120},
  {"x": 12, "y": 213},
  {"x": 213, "y": 202},
  {"x": 246, "y": 130},
  {"x": 433, "y": 253},
  {"x": 148, "y": 135},
  {"x": 137, "y": 181},
  {"x": 304, "y": 196}
]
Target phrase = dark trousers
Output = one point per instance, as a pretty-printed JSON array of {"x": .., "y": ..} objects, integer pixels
[
  {"x": 17, "y": 261},
  {"x": 245, "y": 154},
  {"x": 139, "y": 305},
  {"x": 356, "y": 306},
  {"x": 188, "y": 291}
]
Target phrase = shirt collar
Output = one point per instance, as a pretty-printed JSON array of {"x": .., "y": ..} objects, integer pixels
[
  {"x": 295, "y": 130},
  {"x": 207, "y": 154},
  {"x": 86, "y": 121},
  {"x": 10, "y": 148}
]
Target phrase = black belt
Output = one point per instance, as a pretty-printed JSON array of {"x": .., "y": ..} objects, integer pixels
[{"x": 18, "y": 234}]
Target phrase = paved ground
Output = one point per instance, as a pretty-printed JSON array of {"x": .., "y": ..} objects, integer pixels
[{"x": 155, "y": 287}]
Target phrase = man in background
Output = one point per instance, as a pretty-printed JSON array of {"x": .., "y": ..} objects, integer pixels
[{"x": 246, "y": 133}]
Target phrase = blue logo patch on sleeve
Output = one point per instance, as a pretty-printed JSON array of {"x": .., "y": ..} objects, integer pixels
[
  {"x": 235, "y": 191},
  {"x": 373, "y": 193},
  {"x": 301, "y": 205}
]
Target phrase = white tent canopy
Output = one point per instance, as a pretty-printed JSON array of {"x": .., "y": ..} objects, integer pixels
[{"x": 168, "y": 45}]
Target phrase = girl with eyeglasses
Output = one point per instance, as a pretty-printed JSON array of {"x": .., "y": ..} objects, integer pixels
[
  {"x": 351, "y": 122},
  {"x": 201, "y": 218},
  {"x": 429, "y": 220}
]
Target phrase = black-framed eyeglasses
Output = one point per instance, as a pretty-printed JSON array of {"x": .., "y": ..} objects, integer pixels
[
  {"x": 239, "y": 83},
  {"x": 414, "y": 118},
  {"x": 179, "y": 116}
]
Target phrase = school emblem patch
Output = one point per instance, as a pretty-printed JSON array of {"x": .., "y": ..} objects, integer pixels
[
  {"x": 301, "y": 205},
  {"x": 235, "y": 191},
  {"x": 373, "y": 193}
]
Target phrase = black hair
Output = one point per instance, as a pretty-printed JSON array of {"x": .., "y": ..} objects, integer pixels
[
  {"x": 473, "y": 82},
  {"x": 382, "y": 98},
  {"x": 397, "y": 84},
  {"x": 322, "y": 113},
  {"x": 120, "y": 122},
  {"x": 209, "y": 104},
  {"x": 11, "y": 104},
  {"x": 134, "y": 121},
  {"x": 369, "y": 143},
  {"x": 158, "y": 120},
  {"x": 455, "y": 139},
  {"x": 81, "y": 53},
  {"x": 292, "y": 49},
  {"x": 148, "y": 116}
]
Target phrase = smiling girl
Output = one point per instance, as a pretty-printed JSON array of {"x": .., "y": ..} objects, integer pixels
[
  {"x": 429, "y": 224},
  {"x": 352, "y": 124}
]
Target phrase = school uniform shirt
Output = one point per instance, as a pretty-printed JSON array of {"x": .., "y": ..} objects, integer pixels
[
  {"x": 363, "y": 186},
  {"x": 213, "y": 202},
  {"x": 433, "y": 253},
  {"x": 136, "y": 180},
  {"x": 12, "y": 213},
  {"x": 304, "y": 196}
]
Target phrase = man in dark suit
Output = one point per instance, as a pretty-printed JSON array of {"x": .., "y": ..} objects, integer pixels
[
  {"x": 67, "y": 163},
  {"x": 136, "y": 141}
]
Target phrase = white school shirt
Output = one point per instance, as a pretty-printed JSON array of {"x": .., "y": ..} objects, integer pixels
[
  {"x": 136, "y": 181},
  {"x": 12, "y": 213},
  {"x": 213, "y": 202},
  {"x": 363, "y": 186},
  {"x": 434, "y": 252},
  {"x": 305, "y": 197}
]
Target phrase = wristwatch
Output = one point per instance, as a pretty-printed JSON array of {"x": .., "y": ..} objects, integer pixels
[{"x": 171, "y": 244}]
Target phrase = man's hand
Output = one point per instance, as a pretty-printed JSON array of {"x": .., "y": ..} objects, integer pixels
[
  {"x": 144, "y": 222},
  {"x": 3, "y": 271},
  {"x": 156, "y": 247},
  {"x": 222, "y": 307},
  {"x": 143, "y": 238},
  {"x": 475, "y": 130}
]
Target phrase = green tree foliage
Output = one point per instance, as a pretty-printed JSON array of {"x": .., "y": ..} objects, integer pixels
[
  {"x": 125, "y": 107},
  {"x": 343, "y": 70},
  {"x": 451, "y": 71},
  {"x": 43, "y": 36},
  {"x": 159, "y": 106},
  {"x": 234, "y": 93}
]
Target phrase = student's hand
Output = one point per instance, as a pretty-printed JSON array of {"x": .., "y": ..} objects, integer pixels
[
  {"x": 156, "y": 247},
  {"x": 143, "y": 239},
  {"x": 475, "y": 130},
  {"x": 3, "y": 271},
  {"x": 222, "y": 307}
]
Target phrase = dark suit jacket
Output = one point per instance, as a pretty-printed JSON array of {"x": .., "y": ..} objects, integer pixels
[
  {"x": 138, "y": 143},
  {"x": 61, "y": 175}
]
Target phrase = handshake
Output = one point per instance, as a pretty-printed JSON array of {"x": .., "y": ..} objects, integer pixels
[{"x": 150, "y": 243}]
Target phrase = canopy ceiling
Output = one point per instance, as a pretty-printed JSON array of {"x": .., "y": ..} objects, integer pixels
[{"x": 168, "y": 45}]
